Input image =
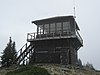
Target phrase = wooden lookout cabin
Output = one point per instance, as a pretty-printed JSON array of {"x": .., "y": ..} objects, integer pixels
[{"x": 57, "y": 41}]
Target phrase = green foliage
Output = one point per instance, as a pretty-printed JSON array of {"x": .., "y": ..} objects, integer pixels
[
  {"x": 29, "y": 70},
  {"x": 8, "y": 54},
  {"x": 80, "y": 63},
  {"x": 90, "y": 66}
]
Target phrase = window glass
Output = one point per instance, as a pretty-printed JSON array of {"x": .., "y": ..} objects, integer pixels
[
  {"x": 41, "y": 26},
  {"x": 66, "y": 26},
  {"x": 46, "y": 28},
  {"x": 52, "y": 27},
  {"x": 40, "y": 29},
  {"x": 58, "y": 27}
]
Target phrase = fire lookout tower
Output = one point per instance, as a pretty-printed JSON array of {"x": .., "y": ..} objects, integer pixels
[{"x": 56, "y": 41}]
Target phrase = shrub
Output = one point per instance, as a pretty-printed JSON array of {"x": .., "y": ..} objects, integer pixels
[
  {"x": 88, "y": 65},
  {"x": 29, "y": 70}
]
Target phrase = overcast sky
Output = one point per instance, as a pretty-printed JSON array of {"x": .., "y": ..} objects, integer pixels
[{"x": 16, "y": 17}]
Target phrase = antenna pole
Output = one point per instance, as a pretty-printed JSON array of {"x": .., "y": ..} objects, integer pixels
[{"x": 74, "y": 8}]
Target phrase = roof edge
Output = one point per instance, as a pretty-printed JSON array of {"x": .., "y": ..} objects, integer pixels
[{"x": 52, "y": 18}]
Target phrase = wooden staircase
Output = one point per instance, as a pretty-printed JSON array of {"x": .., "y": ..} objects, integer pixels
[{"x": 24, "y": 54}]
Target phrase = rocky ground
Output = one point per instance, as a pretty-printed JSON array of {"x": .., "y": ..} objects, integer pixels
[
  {"x": 58, "y": 70},
  {"x": 69, "y": 70}
]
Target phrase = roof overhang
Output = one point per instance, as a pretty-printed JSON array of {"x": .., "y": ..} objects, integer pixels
[{"x": 55, "y": 20}]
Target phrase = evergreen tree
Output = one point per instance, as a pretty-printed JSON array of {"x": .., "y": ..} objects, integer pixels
[
  {"x": 8, "y": 54},
  {"x": 90, "y": 66},
  {"x": 80, "y": 63},
  {"x": 14, "y": 50}
]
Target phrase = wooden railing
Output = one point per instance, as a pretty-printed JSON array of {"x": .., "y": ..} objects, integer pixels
[
  {"x": 79, "y": 37},
  {"x": 34, "y": 36},
  {"x": 41, "y": 36},
  {"x": 23, "y": 54}
]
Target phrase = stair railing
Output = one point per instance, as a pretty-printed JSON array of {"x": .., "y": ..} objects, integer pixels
[{"x": 24, "y": 54}]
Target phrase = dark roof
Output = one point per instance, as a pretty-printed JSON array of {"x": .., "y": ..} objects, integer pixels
[{"x": 54, "y": 20}]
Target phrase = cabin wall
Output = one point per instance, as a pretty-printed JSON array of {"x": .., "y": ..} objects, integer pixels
[
  {"x": 72, "y": 26},
  {"x": 62, "y": 27},
  {"x": 60, "y": 50},
  {"x": 54, "y": 51}
]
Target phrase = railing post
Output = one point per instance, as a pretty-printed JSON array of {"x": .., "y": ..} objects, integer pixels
[
  {"x": 31, "y": 36},
  {"x": 23, "y": 62},
  {"x": 60, "y": 34},
  {"x": 20, "y": 50},
  {"x": 53, "y": 35},
  {"x": 39, "y": 36},
  {"x": 46, "y": 35},
  {"x": 27, "y": 36},
  {"x": 26, "y": 45},
  {"x": 34, "y": 35}
]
